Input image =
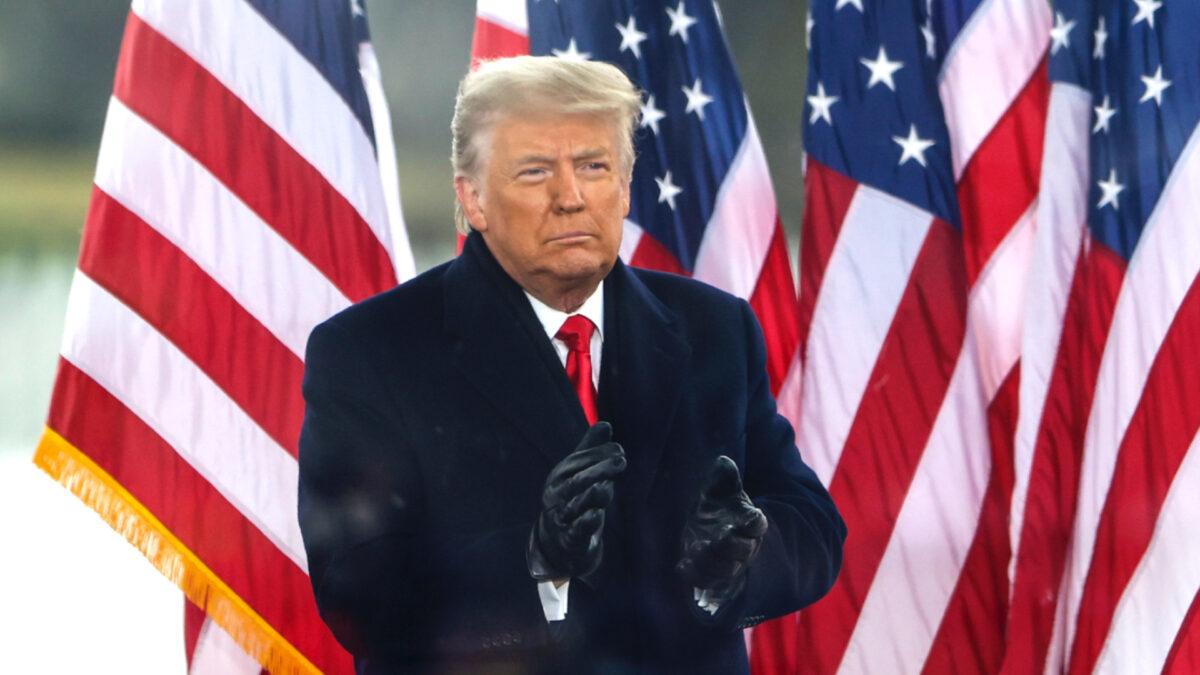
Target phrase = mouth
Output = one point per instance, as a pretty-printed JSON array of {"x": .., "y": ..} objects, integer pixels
[{"x": 570, "y": 238}]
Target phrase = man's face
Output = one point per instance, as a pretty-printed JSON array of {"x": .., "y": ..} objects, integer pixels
[{"x": 550, "y": 201}]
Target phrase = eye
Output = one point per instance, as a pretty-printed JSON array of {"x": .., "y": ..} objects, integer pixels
[
  {"x": 595, "y": 166},
  {"x": 532, "y": 172}
]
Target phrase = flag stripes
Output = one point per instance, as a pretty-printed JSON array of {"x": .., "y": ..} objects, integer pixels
[
  {"x": 1046, "y": 449},
  {"x": 258, "y": 166},
  {"x": 148, "y": 274},
  {"x": 130, "y": 359},
  {"x": 281, "y": 88},
  {"x": 986, "y": 68},
  {"x": 164, "y": 185}
]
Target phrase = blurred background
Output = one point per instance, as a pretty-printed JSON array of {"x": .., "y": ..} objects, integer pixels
[{"x": 66, "y": 580}]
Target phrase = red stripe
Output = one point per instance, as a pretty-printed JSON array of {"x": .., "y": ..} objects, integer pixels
[
  {"x": 971, "y": 636},
  {"x": 91, "y": 419},
  {"x": 193, "y": 621},
  {"x": 1001, "y": 179},
  {"x": 1153, "y": 447},
  {"x": 652, "y": 255},
  {"x": 163, "y": 85},
  {"x": 775, "y": 650},
  {"x": 888, "y": 436},
  {"x": 1049, "y": 512},
  {"x": 166, "y": 288},
  {"x": 774, "y": 303},
  {"x": 827, "y": 196},
  {"x": 493, "y": 41},
  {"x": 1184, "y": 657}
]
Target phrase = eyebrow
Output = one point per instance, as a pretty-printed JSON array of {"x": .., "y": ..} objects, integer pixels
[{"x": 590, "y": 153}]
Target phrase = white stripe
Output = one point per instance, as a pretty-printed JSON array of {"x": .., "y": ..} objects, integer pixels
[
  {"x": 283, "y": 88},
  {"x": 865, "y": 278},
  {"x": 1163, "y": 267},
  {"x": 120, "y": 351},
  {"x": 178, "y": 197},
  {"x": 991, "y": 60},
  {"x": 509, "y": 14},
  {"x": 739, "y": 232},
  {"x": 630, "y": 237},
  {"x": 790, "y": 396},
  {"x": 216, "y": 653},
  {"x": 1157, "y": 599},
  {"x": 1061, "y": 215},
  {"x": 389, "y": 173},
  {"x": 936, "y": 525}
]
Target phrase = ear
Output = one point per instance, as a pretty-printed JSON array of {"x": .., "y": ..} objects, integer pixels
[
  {"x": 468, "y": 195},
  {"x": 625, "y": 201}
]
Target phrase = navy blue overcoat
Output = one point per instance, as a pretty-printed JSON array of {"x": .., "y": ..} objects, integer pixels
[{"x": 436, "y": 411}]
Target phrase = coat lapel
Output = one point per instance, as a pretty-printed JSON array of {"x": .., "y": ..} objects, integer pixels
[
  {"x": 500, "y": 347},
  {"x": 644, "y": 365}
]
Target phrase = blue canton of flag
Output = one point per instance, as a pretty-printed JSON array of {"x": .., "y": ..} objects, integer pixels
[
  {"x": 1140, "y": 61},
  {"x": 694, "y": 116},
  {"x": 872, "y": 109}
]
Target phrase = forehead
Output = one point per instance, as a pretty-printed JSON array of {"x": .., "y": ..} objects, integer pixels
[{"x": 514, "y": 136}]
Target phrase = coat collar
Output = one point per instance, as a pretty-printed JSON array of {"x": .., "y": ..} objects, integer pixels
[{"x": 501, "y": 348}]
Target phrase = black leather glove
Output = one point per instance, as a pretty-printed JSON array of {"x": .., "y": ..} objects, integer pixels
[
  {"x": 723, "y": 535},
  {"x": 566, "y": 540}
]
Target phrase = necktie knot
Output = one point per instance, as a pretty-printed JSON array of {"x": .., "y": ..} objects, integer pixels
[{"x": 576, "y": 333}]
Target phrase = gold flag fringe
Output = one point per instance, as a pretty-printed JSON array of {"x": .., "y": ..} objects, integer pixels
[{"x": 125, "y": 514}]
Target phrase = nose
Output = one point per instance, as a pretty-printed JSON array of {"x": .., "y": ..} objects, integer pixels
[{"x": 568, "y": 195}]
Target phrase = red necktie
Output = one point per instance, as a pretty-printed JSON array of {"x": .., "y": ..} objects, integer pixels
[{"x": 576, "y": 333}]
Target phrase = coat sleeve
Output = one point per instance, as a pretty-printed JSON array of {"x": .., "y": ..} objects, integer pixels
[
  {"x": 389, "y": 589},
  {"x": 802, "y": 550}
]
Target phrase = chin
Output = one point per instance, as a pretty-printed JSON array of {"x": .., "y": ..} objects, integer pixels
[{"x": 582, "y": 268}]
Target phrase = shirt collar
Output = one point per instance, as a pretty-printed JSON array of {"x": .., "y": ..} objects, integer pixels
[{"x": 552, "y": 319}]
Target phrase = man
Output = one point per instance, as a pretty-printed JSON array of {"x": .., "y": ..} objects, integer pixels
[{"x": 535, "y": 459}]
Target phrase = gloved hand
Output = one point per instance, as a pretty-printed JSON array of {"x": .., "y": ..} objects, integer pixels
[
  {"x": 723, "y": 535},
  {"x": 566, "y": 540}
]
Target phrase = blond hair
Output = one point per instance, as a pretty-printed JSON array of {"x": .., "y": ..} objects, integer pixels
[{"x": 544, "y": 85}]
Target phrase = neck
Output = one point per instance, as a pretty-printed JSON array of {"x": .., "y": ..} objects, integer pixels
[{"x": 565, "y": 300}]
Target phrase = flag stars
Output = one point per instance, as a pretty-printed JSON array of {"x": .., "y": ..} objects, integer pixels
[
  {"x": 1101, "y": 36},
  {"x": 667, "y": 190},
  {"x": 356, "y": 8},
  {"x": 857, "y": 4},
  {"x": 821, "y": 104},
  {"x": 808, "y": 26},
  {"x": 680, "y": 22},
  {"x": 913, "y": 147},
  {"x": 1104, "y": 113},
  {"x": 571, "y": 53},
  {"x": 696, "y": 99},
  {"x": 651, "y": 115},
  {"x": 1060, "y": 34},
  {"x": 1155, "y": 86},
  {"x": 882, "y": 69},
  {"x": 1145, "y": 11},
  {"x": 1110, "y": 190},
  {"x": 631, "y": 37}
]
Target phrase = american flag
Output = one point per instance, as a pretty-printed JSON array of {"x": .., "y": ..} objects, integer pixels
[
  {"x": 924, "y": 128},
  {"x": 245, "y": 190},
  {"x": 1106, "y": 503}
]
